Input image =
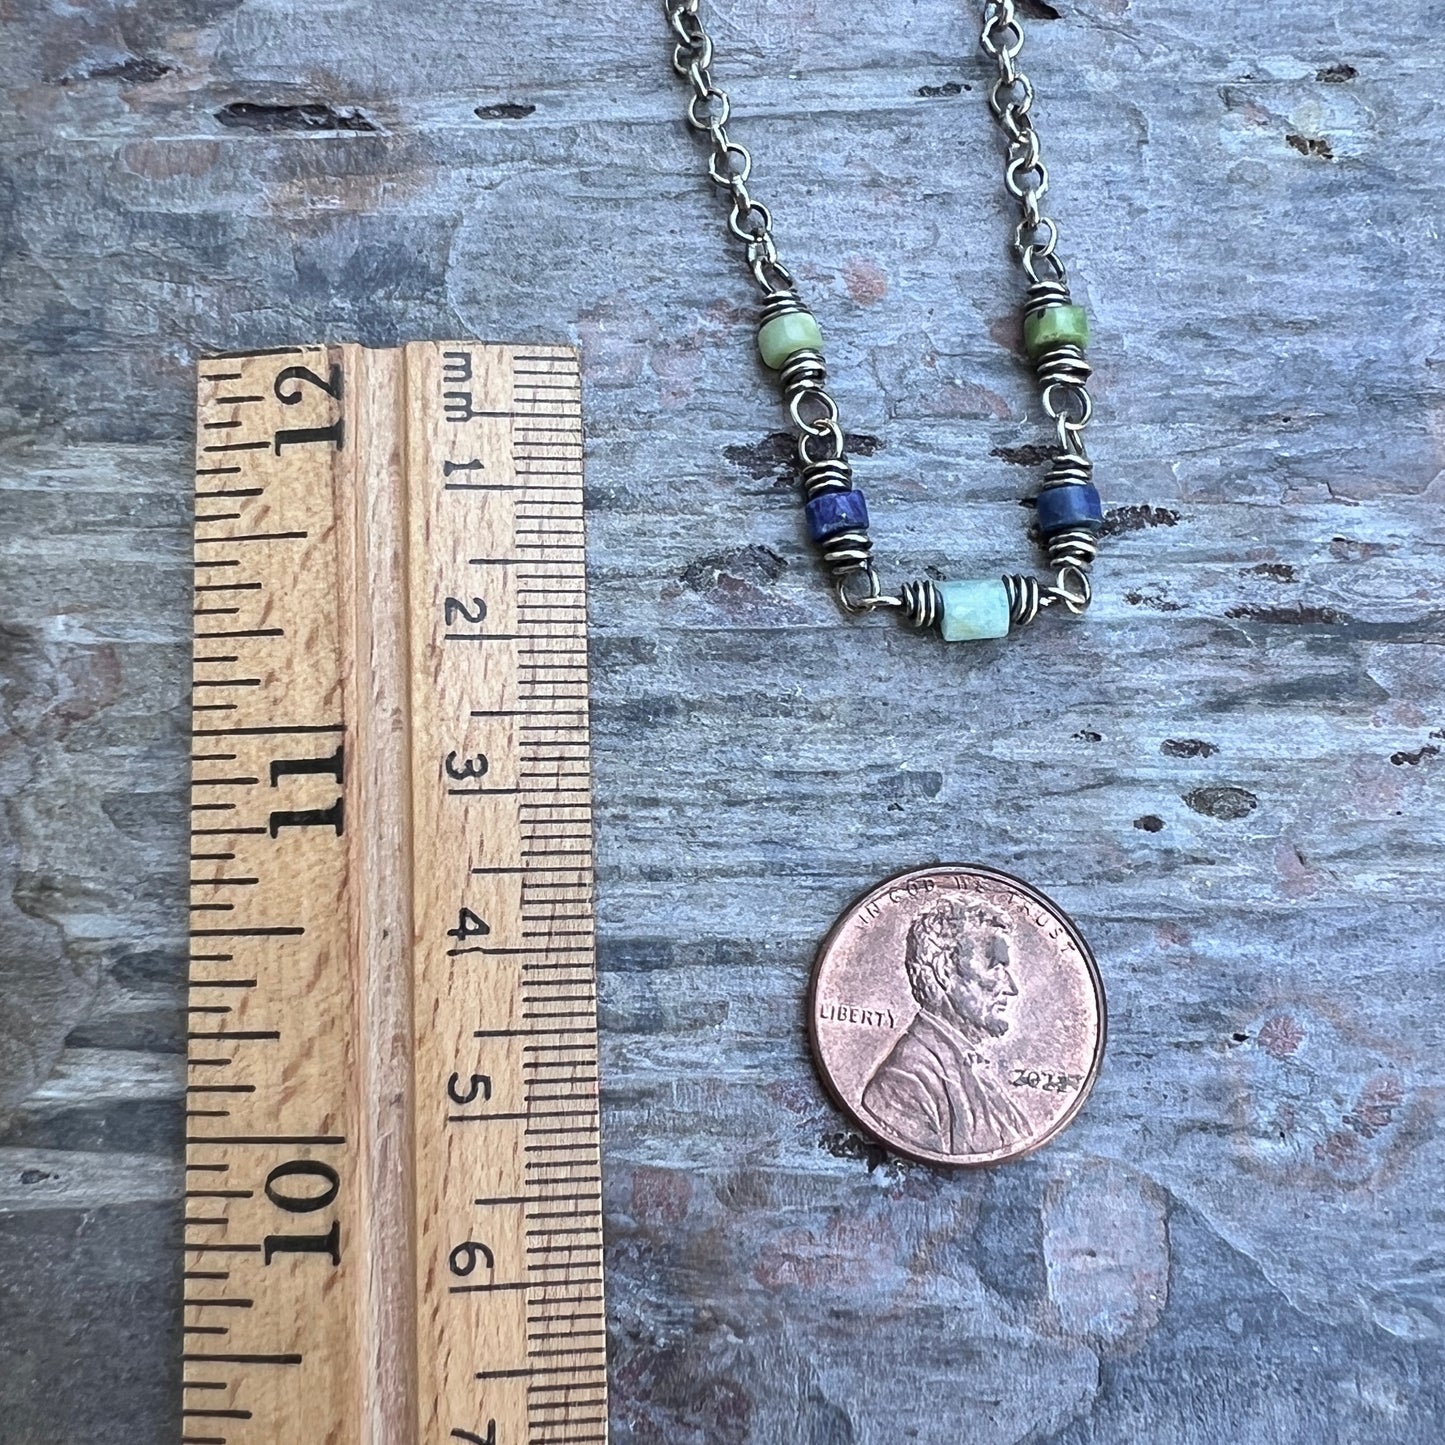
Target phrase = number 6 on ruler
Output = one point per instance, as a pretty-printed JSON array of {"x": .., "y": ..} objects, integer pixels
[{"x": 463, "y": 1259}]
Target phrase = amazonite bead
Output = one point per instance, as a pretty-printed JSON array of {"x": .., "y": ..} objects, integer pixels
[
  {"x": 788, "y": 334},
  {"x": 973, "y": 610},
  {"x": 1056, "y": 326}
]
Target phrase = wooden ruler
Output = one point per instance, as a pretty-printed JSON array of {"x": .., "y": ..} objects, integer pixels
[{"x": 393, "y": 1224}]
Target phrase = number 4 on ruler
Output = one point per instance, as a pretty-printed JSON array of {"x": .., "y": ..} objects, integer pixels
[{"x": 468, "y": 926}]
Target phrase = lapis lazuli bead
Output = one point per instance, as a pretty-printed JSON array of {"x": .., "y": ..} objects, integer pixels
[
  {"x": 1076, "y": 504},
  {"x": 835, "y": 512}
]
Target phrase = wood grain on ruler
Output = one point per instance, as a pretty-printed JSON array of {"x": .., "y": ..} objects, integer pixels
[{"x": 397, "y": 750}]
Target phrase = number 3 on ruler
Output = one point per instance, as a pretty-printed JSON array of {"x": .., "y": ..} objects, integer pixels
[{"x": 490, "y": 1438}]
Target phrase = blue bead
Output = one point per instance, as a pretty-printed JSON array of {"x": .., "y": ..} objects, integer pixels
[
  {"x": 1076, "y": 504},
  {"x": 835, "y": 512}
]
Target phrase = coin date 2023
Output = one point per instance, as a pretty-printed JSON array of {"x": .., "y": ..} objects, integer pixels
[{"x": 1044, "y": 1080}]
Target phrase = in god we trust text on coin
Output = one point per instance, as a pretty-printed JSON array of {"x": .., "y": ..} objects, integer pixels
[{"x": 957, "y": 1015}]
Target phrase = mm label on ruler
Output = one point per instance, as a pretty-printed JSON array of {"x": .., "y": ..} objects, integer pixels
[{"x": 393, "y": 1227}]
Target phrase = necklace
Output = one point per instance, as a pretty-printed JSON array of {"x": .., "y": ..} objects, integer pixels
[
  {"x": 1055, "y": 329},
  {"x": 956, "y": 1013}
]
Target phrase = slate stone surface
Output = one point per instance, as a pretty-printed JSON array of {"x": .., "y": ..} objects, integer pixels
[{"x": 1232, "y": 772}]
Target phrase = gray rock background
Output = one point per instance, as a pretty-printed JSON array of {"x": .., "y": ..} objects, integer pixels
[{"x": 1232, "y": 772}]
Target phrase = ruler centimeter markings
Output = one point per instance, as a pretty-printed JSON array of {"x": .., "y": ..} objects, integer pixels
[{"x": 393, "y": 1214}]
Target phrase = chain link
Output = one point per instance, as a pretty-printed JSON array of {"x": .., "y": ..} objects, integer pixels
[
  {"x": 1026, "y": 178},
  {"x": 730, "y": 164},
  {"x": 1065, "y": 396}
]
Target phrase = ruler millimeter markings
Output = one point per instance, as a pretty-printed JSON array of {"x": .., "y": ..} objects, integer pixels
[{"x": 391, "y": 906}]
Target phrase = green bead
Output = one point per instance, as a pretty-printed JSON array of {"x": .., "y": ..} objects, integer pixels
[
  {"x": 786, "y": 335},
  {"x": 1055, "y": 326},
  {"x": 973, "y": 610}
]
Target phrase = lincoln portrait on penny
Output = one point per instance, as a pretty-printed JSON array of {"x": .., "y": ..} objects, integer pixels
[{"x": 937, "y": 1088}]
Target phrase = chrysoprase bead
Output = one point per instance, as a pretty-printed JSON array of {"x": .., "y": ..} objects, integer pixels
[
  {"x": 786, "y": 335},
  {"x": 973, "y": 610},
  {"x": 835, "y": 512},
  {"x": 1075, "y": 504},
  {"x": 1055, "y": 326}
]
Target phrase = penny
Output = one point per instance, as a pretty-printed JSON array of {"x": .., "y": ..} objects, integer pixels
[{"x": 957, "y": 1015}]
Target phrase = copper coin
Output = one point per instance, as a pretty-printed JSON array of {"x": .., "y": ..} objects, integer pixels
[{"x": 957, "y": 1015}]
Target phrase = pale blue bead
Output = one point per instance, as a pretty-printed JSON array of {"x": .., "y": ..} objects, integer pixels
[{"x": 973, "y": 610}]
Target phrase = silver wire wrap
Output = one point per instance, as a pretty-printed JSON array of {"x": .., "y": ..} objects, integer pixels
[
  {"x": 1072, "y": 588},
  {"x": 1075, "y": 548},
  {"x": 833, "y": 474},
  {"x": 846, "y": 552},
  {"x": 1024, "y": 599},
  {"x": 803, "y": 378},
  {"x": 921, "y": 603},
  {"x": 1063, "y": 369}
]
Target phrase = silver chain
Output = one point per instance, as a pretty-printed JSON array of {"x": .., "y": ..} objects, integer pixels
[
  {"x": 1065, "y": 396},
  {"x": 730, "y": 164},
  {"x": 1026, "y": 178}
]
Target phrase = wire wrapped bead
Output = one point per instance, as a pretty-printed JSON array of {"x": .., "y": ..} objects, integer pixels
[
  {"x": 834, "y": 512},
  {"x": 1062, "y": 324},
  {"x": 974, "y": 610},
  {"x": 979, "y": 609},
  {"x": 1056, "y": 333},
  {"x": 1052, "y": 319},
  {"x": 1068, "y": 505},
  {"x": 786, "y": 328},
  {"x": 1070, "y": 513}
]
